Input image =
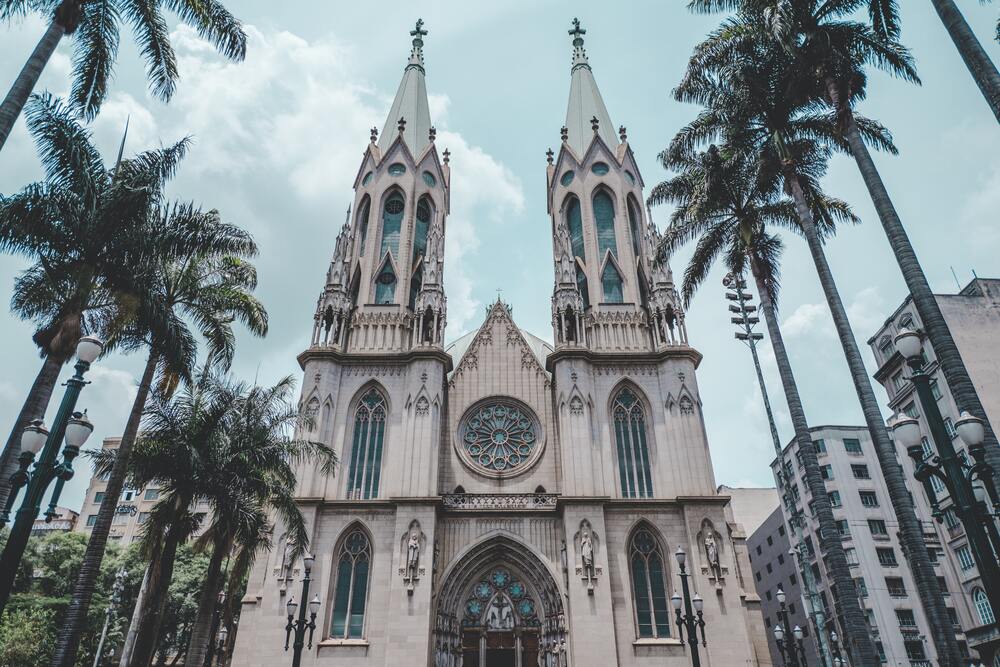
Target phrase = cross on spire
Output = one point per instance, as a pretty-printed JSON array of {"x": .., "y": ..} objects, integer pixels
[
  {"x": 579, "y": 55},
  {"x": 417, "y": 53},
  {"x": 577, "y": 32}
]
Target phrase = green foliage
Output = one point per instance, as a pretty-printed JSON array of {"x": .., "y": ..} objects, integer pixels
[
  {"x": 182, "y": 600},
  {"x": 27, "y": 637}
]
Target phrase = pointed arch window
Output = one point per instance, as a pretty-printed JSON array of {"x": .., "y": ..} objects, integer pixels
[
  {"x": 983, "y": 607},
  {"x": 611, "y": 282},
  {"x": 416, "y": 282},
  {"x": 423, "y": 222},
  {"x": 385, "y": 284},
  {"x": 362, "y": 224},
  {"x": 574, "y": 222},
  {"x": 366, "y": 449},
  {"x": 351, "y": 590},
  {"x": 649, "y": 591},
  {"x": 633, "y": 226},
  {"x": 581, "y": 285},
  {"x": 629, "y": 420},
  {"x": 604, "y": 221},
  {"x": 392, "y": 221}
]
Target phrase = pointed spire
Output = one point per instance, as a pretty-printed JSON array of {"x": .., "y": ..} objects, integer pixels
[
  {"x": 586, "y": 114},
  {"x": 411, "y": 101}
]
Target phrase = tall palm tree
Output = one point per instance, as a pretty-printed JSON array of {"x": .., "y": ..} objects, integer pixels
[
  {"x": 741, "y": 65},
  {"x": 82, "y": 228},
  {"x": 96, "y": 24},
  {"x": 727, "y": 201},
  {"x": 210, "y": 285},
  {"x": 982, "y": 68}
]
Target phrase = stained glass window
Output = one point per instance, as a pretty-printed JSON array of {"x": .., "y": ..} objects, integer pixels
[
  {"x": 604, "y": 221},
  {"x": 633, "y": 226},
  {"x": 429, "y": 179},
  {"x": 362, "y": 223},
  {"x": 649, "y": 592},
  {"x": 392, "y": 220},
  {"x": 397, "y": 169},
  {"x": 575, "y": 224},
  {"x": 630, "y": 439},
  {"x": 600, "y": 168},
  {"x": 385, "y": 284},
  {"x": 423, "y": 223},
  {"x": 349, "y": 598},
  {"x": 567, "y": 178},
  {"x": 499, "y": 436},
  {"x": 611, "y": 281},
  {"x": 366, "y": 451}
]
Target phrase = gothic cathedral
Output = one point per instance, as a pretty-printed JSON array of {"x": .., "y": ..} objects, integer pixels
[{"x": 500, "y": 501}]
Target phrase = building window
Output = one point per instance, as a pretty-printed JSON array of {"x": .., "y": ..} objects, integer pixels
[
  {"x": 423, "y": 223},
  {"x": 952, "y": 616},
  {"x": 574, "y": 224},
  {"x": 906, "y": 618},
  {"x": 949, "y": 426},
  {"x": 852, "y": 446},
  {"x": 915, "y": 649},
  {"x": 604, "y": 222},
  {"x": 877, "y": 527},
  {"x": 392, "y": 221},
  {"x": 385, "y": 284},
  {"x": 611, "y": 281},
  {"x": 983, "y": 607},
  {"x": 860, "y": 471},
  {"x": 630, "y": 439},
  {"x": 781, "y": 559},
  {"x": 648, "y": 588},
  {"x": 820, "y": 446},
  {"x": 887, "y": 557},
  {"x": 965, "y": 559},
  {"x": 895, "y": 586},
  {"x": 758, "y": 576},
  {"x": 843, "y": 528},
  {"x": 910, "y": 410},
  {"x": 770, "y": 570},
  {"x": 151, "y": 494},
  {"x": 862, "y": 587},
  {"x": 880, "y": 649},
  {"x": 91, "y": 520},
  {"x": 770, "y": 541},
  {"x": 834, "y": 497},
  {"x": 943, "y": 585},
  {"x": 758, "y": 549},
  {"x": 362, "y": 224},
  {"x": 851, "y": 556},
  {"x": 99, "y": 497},
  {"x": 951, "y": 518},
  {"x": 349, "y": 598},
  {"x": 633, "y": 226},
  {"x": 868, "y": 498},
  {"x": 897, "y": 380},
  {"x": 143, "y": 517},
  {"x": 781, "y": 531},
  {"x": 935, "y": 390},
  {"x": 826, "y": 472},
  {"x": 366, "y": 451}
]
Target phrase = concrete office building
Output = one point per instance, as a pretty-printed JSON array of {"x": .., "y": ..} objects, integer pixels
[
  {"x": 751, "y": 506},
  {"x": 63, "y": 521},
  {"x": 973, "y": 315}
]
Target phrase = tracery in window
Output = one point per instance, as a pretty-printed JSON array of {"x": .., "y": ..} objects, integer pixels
[
  {"x": 649, "y": 592},
  {"x": 362, "y": 225},
  {"x": 366, "y": 450},
  {"x": 629, "y": 421},
  {"x": 574, "y": 223},
  {"x": 392, "y": 220},
  {"x": 611, "y": 282},
  {"x": 604, "y": 222},
  {"x": 351, "y": 590},
  {"x": 385, "y": 284},
  {"x": 633, "y": 226}
]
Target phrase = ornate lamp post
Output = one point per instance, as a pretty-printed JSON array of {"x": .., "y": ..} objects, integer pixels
[
  {"x": 72, "y": 426},
  {"x": 690, "y": 620},
  {"x": 792, "y": 651},
  {"x": 116, "y": 598},
  {"x": 838, "y": 659},
  {"x": 220, "y": 647},
  {"x": 300, "y": 625},
  {"x": 959, "y": 478}
]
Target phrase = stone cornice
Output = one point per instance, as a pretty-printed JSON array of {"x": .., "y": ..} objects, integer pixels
[
  {"x": 633, "y": 358},
  {"x": 362, "y": 358}
]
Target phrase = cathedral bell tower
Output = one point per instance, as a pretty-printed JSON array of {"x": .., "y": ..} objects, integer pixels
[
  {"x": 384, "y": 289},
  {"x": 612, "y": 293}
]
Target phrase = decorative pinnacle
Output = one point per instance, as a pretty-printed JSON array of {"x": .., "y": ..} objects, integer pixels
[
  {"x": 594, "y": 123},
  {"x": 432, "y": 133},
  {"x": 374, "y": 134},
  {"x": 417, "y": 53},
  {"x": 447, "y": 156},
  {"x": 579, "y": 54},
  {"x": 548, "y": 156},
  {"x": 564, "y": 133},
  {"x": 622, "y": 133},
  {"x": 401, "y": 125}
]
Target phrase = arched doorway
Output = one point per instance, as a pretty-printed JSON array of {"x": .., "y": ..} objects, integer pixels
[{"x": 499, "y": 606}]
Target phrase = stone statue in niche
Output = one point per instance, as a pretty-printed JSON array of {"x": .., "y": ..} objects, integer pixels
[
  {"x": 587, "y": 553},
  {"x": 712, "y": 552},
  {"x": 283, "y": 572},
  {"x": 411, "y": 546},
  {"x": 713, "y": 563},
  {"x": 587, "y": 544},
  {"x": 412, "y": 554}
]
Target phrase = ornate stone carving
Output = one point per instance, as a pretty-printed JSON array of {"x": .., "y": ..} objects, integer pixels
[
  {"x": 586, "y": 547},
  {"x": 423, "y": 406},
  {"x": 686, "y": 405},
  {"x": 500, "y": 501},
  {"x": 576, "y": 405},
  {"x": 412, "y": 545}
]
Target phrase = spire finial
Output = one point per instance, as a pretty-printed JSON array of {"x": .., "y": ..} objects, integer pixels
[
  {"x": 401, "y": 125},
  {"x": 432, "y": 133},
  {"x": 579, "y": 54},
  {"x": 564, "y": 133},
  {"x": 594, "y": 124},
  {"x": 622, "y": 133},
  {"x": 374, "y": 134},
  {"x": 447, "y": 156},
  {"x": 549, "y": 155},
  {"x": 417, "y": 53}
]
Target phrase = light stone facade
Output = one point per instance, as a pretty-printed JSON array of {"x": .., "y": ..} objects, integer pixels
[{"x": 500, "y": 501}]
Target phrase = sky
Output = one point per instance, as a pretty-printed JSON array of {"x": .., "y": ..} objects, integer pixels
[{"x": 278, "y": 140}]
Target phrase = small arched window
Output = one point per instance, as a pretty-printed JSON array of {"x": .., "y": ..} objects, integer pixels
[
  {"x": 629, "y": 421},
  {"x": 649, "y": 592},
  {"x": 611, "y": 281},
  {"x": 362, "y": 225},
  {"x": 633, "y": 226},
  {"x": 574, "y": 222},
  {"x": 423, "y": 222},
  {"x": 392, "y": 220},
  {"x": 983, "y": 607},
  {"x": 366, "y": 449},
  {"x": 351, "y": 590},
  {"x": 385, "y": 284},
  {"x": 604, "y": 221}
]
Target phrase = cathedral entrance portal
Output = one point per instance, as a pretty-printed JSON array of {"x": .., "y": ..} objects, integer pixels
[{"x": 499, "y": 607}]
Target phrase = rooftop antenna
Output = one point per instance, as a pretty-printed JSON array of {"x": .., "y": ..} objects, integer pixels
[
  {"x": 955, "y": 276},
  {"x": 121, "y": 146}
]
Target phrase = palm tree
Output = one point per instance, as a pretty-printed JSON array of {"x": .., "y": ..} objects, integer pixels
[
  {"x": 249, "y": 477},
  {"x": 209, "y": 285},
  {"x": 739, "y": 65},
  {"x": 81, "y": 229},
  {"x": 976, "y": 59},
  {"x": 96, "y": 25},
  {"x": 727, "y": 200}
]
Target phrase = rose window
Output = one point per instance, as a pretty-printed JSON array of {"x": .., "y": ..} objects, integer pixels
[{"x": 499, "y": 436}]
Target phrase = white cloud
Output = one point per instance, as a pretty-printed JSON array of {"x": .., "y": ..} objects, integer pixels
[{"x": 808, "y": 318}]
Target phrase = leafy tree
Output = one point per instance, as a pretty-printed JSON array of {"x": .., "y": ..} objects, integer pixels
[
  {"x": 84, "y": 230},
  {"x": 27, "y": 637},
  {"x": 96, "y": 24}
]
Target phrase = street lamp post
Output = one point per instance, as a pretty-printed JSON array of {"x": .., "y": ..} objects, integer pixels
[
  {"x": 792, "y": 651},
  {"x": 116, "y": 598},
  {"x": 689, "y": 620},
  {"x": 72, "y": 426},
  {"x": 220, "y": 648},
  {"x": 838, "y": 659},
  {"x": 957, "y": 476},
  {"x": 301, "y": 625}
]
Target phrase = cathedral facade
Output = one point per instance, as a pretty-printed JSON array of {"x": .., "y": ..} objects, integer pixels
[{"x": 500, "y": 501}]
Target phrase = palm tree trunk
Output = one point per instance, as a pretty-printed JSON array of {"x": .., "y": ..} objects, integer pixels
[
  {"x": 133, "y": 626},
  {"x": 148, "y": 633},
  {"x": 911, "y": 532},
  {"x": 934, "y": 324},
  {"x": 76, "y": 614},
  {"x": 26, "y": 80},
  {"x": 199, "y": 648},
  {"x": 34, "y": 408},
  {"x": 982, "y": 68},
  {"x": 857, "y": 637}
]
